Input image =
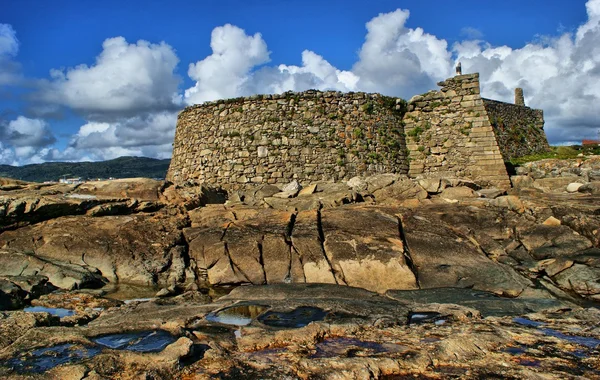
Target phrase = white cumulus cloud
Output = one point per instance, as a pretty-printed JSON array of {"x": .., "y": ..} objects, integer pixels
[
  {"x": 127, "y": 79},
  {"x": 223, "y": 74},
  {"x": 22, "y": 138},
  {"x": 558, "y": 74},
  {"x": 9, "y": 47},
  {"x": 150, "y": 135},
  {"x": 397, "y": 60}
]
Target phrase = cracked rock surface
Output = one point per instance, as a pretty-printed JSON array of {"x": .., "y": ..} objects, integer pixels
[{"x": 383, "y": 277}]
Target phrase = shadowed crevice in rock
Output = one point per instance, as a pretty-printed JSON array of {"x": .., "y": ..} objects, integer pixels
[
  {"x": 322, "y": 241},
  {"x": 407, "y": 256},
  {"x": 289, "y": 277},
  {"x": 290, "y": 227},
  {"x": 225, "y": 230},
  {"x": 261, "y": 259}
]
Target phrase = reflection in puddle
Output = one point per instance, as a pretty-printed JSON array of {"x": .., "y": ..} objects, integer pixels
[
  {"x": 44, "y": 359},
  {"x": 298, "y": 317},
  {"x": 140, "y": 341},
  {"x": 352, "y": 347},
  {"x": 241, "y": 315},
  {"x": 527, "y": 322},
  {"x": 581, "y": 340},
  {"x": 51, "y": 310},
  {"x": 425, "y": 317}
]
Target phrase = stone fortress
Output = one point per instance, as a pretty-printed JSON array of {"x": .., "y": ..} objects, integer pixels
[{"x": 314, "y": 136}]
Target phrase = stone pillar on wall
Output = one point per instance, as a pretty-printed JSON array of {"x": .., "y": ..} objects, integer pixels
[{"x": 519, "y": 97}]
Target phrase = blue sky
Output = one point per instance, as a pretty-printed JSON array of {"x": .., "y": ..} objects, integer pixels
[{"x": 83, "y": 80}]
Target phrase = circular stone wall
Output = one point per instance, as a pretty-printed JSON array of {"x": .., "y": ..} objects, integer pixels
[{"x": 307, "y": 136}]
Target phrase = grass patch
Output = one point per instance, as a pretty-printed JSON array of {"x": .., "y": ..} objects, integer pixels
[{"x": 556, "y": 152}]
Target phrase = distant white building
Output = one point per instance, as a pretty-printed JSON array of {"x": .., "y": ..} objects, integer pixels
[{"x": 71, "y": 181}]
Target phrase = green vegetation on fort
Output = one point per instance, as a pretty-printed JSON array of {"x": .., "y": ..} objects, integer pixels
[
  {"x": 122, "y": 167},
  {"x": 556, "y": 152}
]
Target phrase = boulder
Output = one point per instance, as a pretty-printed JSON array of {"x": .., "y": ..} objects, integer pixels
[
  {"x": 292, "y": 187},
  {"x": 551, "y": 241},
  {"x": 521, "y": 181},
  {"x": 285, "y": 194},
  {"x": 251, "y": 248},
  {"x": 307, "y": 190},
  {"x": 590, "y": 188},
  {"x": 62, "y": 274},
  {"x": 400, "y": 191},
  {"x": 138, "y": 188},
  {"x": 276, "y": 246},
  {"x": 581, "y": 279},
  {"x": 553, "y": 184},
  {"x": 457, "y": 193},
  {"x": 379, "y": 181},
  {"x": 573, "y": 187},
  {"x": 11, "y": 295},
  {"x": 510, "y": 202},
  {"x": 133, "y": 249},
  {"x": 432, "y": 185},
  {"x": 491, "y": 193},
  {"x": 357, "y": 184},
  {"x": 444, "y": 259},
  {"x": 372, "y": 257},
  {"x": 552, "y": 221}
]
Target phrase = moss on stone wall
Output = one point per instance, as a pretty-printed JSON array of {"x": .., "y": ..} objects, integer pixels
[{"x": 519, "y": 130}]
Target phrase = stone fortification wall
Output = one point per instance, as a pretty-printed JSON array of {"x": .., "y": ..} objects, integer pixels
[
  {"x": 449, "y": 134},
  {"x": 307, "y": 136},
  {"x": 314, "y": 136},
  {"x": 519, "y": 130}
]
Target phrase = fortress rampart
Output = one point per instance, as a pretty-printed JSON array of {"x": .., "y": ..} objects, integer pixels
[
  {"x": 307, "y": 136},
  {"x": 313, "y": 136}
]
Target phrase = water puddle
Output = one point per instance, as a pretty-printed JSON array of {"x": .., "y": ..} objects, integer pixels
[
  {"x": 51, "y": 310},
  {"x": 298, "y": 317},
  {"x": 515, "y": 350},
  {"x": 352, "y": 347},
  {"x": 581, "y": 340},
  {"x": 527, "y": 322},
  {"x": 588, "y": 342},
  {"x": 139, "y": 341},
  {"x": 425, "y": 317},
  {"x": 241, "y": 315},
  {"x": 44, "y": 359}
]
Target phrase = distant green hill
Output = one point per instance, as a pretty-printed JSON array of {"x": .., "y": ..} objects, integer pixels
[{"x": 122, "y": 167}]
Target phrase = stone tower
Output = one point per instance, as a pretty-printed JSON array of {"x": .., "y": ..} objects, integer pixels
[{"x": 519, "y": 97}]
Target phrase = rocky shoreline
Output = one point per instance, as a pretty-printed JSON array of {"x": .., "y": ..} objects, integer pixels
[{"x": 380, "y": 277}]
